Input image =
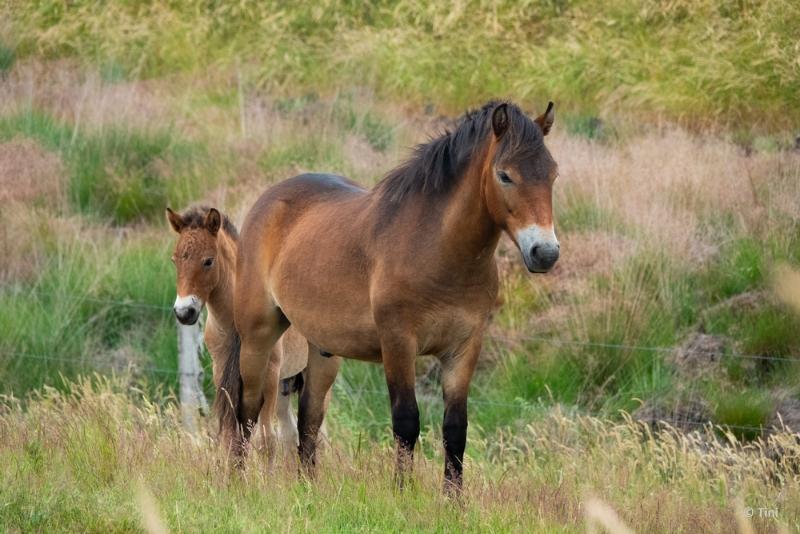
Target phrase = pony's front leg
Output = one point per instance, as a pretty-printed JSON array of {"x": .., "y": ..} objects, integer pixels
[
  {"x": 259, "y": 367},
  {"x": 320, "y": 375},
  {"x": 399, "y": 353},
  {"x": 457, "y": 370}
]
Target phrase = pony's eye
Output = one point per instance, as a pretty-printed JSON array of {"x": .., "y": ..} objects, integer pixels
[
  {"x": 504, "y": 177},
  {"x": 208, "y": 262}
]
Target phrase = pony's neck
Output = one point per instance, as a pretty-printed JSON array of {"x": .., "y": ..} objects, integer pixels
[
  {"x": 468, "y": 230},
  {"x": 220, "y": 301}
]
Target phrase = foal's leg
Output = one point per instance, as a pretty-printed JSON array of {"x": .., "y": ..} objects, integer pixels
[
  {"x": 320, "y": 375},
  {"x": 288, "y": 424},
  {"x": 457, "y": 369},
  {"x": 399, "y": 353}
]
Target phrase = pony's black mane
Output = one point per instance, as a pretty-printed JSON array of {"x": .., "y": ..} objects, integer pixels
[
  {"x": 195, "y": 217},
  {"x": 435, "y": 166}
]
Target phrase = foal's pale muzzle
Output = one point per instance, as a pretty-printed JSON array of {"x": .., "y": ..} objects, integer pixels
[
  {"x": 540, "y": 248},
  {"x": 187, "y": 309}
]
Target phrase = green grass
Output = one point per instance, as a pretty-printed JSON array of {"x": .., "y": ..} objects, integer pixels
[
  {"x": 589, "y": 127},
  {"x": 747, "y": 411},
  {"x": 118, "y": 173},
  {"x": 579, "y": 213},
  {"x": 740, "y": 268},
  {"x": 93, "y": 305},
  {"x": 7, "y": 59},
  {"x": 316, "y": 153},
  {"x": 701, "y": 63},
  {"x": 377, "y": 131}
]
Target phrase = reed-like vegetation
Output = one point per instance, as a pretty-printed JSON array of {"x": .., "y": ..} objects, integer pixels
[
  {"x": 80, "y": 460},
  {"x": 675, "y": 235},
  {"x": 708, "y": 62}
]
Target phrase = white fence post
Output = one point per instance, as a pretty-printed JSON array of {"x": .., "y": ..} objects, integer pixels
[{"x": 193, "y": 401}]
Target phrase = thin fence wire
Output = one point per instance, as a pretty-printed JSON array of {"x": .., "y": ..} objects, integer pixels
[
  {"x": 354, "y": 394},
  {"x": 94, "y": 300},
  {"x": 496, "y": 338},
  {"x": 642, "y": 348},
  {"x": 94, "y": 364}
]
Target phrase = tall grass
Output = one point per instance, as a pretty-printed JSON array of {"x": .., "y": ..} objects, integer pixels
[
  {"x": 74, "y": 461},
  {"x": 661, "y": 234},
  {"x": 117, "y": 172},
  {"x": 708, "y": 62},
  {"x": 92, "y": 301}
]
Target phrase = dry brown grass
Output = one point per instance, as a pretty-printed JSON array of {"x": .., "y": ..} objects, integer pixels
[
  {"x": 663, "y": 184},
  {"x": 30, "y": 174},
  {"x": 99, "y": 444},
  {"x": 657, "y": 192}
]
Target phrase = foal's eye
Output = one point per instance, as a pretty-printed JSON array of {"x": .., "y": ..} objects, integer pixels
[
  {"x": 208, "y": 262},
  {"x": 504, "y": 177}
]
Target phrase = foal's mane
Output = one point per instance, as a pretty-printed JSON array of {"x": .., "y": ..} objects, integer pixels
[
  {"x": 195, "y": 217},
  {"x": 435, "y": 167}
]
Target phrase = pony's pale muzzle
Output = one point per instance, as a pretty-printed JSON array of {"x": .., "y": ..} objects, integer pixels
[
  {"x": 540, "y": 248},
  {"x": 187, "y": 309}
]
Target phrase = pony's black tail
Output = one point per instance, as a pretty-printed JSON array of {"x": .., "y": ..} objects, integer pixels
[{"x": 229, "y": 393}]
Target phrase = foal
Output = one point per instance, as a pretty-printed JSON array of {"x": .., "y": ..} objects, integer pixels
[
  {"x": 406, "y": 268},
  {"x": 205, "y": 259}
]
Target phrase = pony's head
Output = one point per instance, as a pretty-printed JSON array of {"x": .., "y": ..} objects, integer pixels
[
  {"x": 518, "y": 178},
  {"x": 195, "y": 259}
]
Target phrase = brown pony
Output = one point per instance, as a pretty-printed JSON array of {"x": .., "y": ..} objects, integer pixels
[
  {"x": 387, "y": 274},
  {"x": 205, "y": 260}
]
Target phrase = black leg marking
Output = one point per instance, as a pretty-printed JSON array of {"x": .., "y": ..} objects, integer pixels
[
  {"x": 405, "y": 425},
  {"x": 454, "y": 435}
]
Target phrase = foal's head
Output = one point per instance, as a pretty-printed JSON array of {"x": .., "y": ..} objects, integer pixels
[
  {"x": 195, "y": 259},
  {"x": 518, "y": 181}
]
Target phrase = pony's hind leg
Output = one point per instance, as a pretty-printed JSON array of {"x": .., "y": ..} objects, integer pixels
[
  {"x": 457, "y": 370},
  {"x": 320, "y": 375}
]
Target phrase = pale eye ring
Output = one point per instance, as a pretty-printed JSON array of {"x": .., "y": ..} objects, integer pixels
[
  {"x": 504, "y": 177},
  {"x": 208, "y": 262}
]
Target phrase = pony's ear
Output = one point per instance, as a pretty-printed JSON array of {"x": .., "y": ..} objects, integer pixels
[
  {"x": 545, "y": 120},
  {"x": 500, "y": 120},
  {"x": 213, "y": 221},
  {"x": 175, "y": 220}
]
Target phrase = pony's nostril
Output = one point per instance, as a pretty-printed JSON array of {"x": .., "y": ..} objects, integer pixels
[{"x": 535, "y": 252}]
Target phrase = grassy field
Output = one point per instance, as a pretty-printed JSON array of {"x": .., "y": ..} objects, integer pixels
[
  {"x": 677, "y": 208},
  {"x": 103, "y": 457},
  {"x": 710, "y": 61}
]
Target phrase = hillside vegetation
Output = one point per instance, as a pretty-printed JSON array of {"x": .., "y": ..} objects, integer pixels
[
  {"x": 703, "y": 63},
  {"x": 676, "y": 206}
]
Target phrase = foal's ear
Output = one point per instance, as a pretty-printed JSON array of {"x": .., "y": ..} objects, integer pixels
[
  {"x": 175, "y": 220},
  {"x": 213, "y": 221},
  {"x": 545, "y": 120},
  {"x": 500, "y": 120}
]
